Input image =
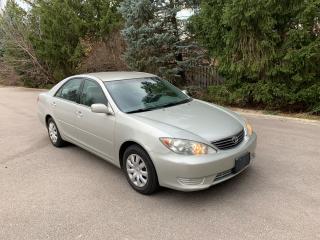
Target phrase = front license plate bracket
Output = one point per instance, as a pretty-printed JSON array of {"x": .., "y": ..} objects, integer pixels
[{"x": 241, "y": 163}]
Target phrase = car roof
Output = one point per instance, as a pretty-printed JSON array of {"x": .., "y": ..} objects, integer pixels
[{"x": 111, "y": 76}]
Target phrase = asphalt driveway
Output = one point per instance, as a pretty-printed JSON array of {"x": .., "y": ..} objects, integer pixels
[{"x": 68, "y": 193}]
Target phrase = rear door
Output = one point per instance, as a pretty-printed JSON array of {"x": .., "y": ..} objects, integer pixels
[
  {"x": 64, "y": 107},
  {"x": 96, "y": 129}
]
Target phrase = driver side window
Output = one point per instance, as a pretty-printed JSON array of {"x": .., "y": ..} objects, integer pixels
[{"x": 92, "y": 93}]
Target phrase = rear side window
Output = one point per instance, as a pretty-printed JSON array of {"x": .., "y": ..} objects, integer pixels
[
  {"x": 92, "y": 93},
  {"x": 70, "y": 90}
]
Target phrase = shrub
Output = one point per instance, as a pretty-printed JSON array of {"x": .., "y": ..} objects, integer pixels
[{"x": 269, "y": 51}]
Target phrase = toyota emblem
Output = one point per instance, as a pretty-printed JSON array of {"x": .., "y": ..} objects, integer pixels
[{"x": 235, "y": 139}]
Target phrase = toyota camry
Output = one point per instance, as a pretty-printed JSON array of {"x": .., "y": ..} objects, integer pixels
[{"x": 154, "y": 132}]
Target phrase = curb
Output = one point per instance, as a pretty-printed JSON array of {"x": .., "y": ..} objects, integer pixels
[{"x": 283, "y": 118}]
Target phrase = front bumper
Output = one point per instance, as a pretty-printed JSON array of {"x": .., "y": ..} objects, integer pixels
[{"x": 192, "y": 173}]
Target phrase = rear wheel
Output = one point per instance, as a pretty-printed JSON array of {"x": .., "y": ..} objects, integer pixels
[
  {"x": 54, "y": 134},
  {"x": 139, "y": 170}
]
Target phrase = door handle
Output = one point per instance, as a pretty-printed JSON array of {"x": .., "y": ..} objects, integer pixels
[{"x": 79, "y": 114}]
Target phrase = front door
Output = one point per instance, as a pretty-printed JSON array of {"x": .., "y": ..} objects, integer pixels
[{"x": 96, "y": 130}]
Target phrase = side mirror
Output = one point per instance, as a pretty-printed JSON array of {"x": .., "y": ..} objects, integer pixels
[
  {"x": 185, "y": 92},
  {"x": 101, "y": 108}
]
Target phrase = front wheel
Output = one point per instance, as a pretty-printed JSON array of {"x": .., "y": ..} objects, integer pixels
[
  {"x": 54, "y": 134},
  {"x": 139, "y": 170}
]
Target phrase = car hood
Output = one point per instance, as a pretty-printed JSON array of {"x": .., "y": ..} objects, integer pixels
[{"x": 205, "y": 120}]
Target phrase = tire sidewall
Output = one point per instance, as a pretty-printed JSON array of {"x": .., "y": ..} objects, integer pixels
[
  {"x": 152, "y": 182},
  {"x": 59, "y": 142}
]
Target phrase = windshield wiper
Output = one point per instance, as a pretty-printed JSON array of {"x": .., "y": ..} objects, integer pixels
[
  {"x": 159, "y": 107},
  {"x": 142, "y": 110},
  {"x": 176, "y": 103}
]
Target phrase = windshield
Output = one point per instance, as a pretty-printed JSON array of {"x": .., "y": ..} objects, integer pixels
[{"x": 144, "y": 94}]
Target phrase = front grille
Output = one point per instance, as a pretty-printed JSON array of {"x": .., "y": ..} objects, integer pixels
[{"x": 230, "y": 142}]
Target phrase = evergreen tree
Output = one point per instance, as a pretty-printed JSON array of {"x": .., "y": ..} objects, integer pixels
[
  {"x": 59, "y": 26},
  {"x": 157, "y": 41},
  {"x": 268, "y": 50},
  {"x": 56, "y": 35},
  {"x": 101, "y": 17}
]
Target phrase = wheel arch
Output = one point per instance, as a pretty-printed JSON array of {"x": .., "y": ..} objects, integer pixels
[
  {"x": 127, "y": 144},
  {"x": 48, "y": 116}
]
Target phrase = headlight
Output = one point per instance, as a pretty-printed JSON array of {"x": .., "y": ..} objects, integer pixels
[
  {"x": 249, "y": 129},
  {"x": 186, "y": 147}
]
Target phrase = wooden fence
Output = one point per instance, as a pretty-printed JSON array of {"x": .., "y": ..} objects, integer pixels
[{"x": 203, "y": 76}]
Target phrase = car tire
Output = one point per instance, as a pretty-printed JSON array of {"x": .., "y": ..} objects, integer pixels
[
  {"x": 54, "y": 134},
  {"x": 139, "y": 170}
]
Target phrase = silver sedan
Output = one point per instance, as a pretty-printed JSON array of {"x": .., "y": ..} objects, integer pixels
[{"x": 149, "y": 128}]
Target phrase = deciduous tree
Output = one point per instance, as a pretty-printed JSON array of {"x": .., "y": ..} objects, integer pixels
[{"x": 17, "y": 51}]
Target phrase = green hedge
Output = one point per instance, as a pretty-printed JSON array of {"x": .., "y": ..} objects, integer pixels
[{"x": 269, "y": 51}]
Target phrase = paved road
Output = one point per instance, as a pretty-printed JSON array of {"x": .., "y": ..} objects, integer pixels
[{"x": 50, "y": 193}]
